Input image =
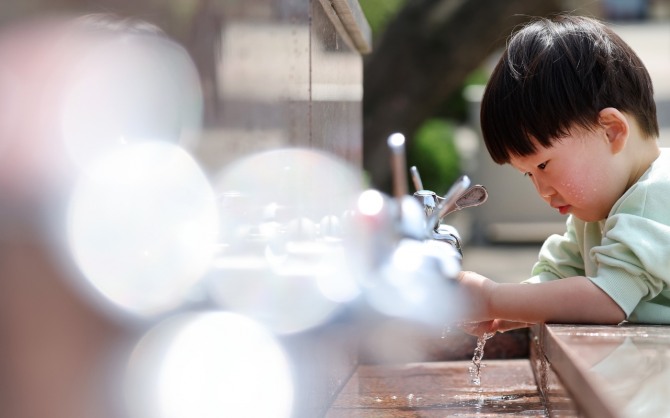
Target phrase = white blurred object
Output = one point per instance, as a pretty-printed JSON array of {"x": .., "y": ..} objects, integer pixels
[
  {"x": 143, "y": 226},
  {"x": 73, "y": 91},
  {"x": 286, "y": 246},
  {"x": 130, "y": 87},
  {"x": 208, "y": 365},
  {"x": 417, "y": 283}
]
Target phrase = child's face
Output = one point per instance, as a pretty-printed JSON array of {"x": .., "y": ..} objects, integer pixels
[{"x": 579, "y": 175}]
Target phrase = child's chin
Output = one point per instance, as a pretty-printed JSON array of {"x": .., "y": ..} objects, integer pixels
[{"x": 587, "y": 218}]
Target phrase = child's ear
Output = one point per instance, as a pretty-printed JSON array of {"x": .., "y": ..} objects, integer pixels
[{"x": 616, "y": 127}]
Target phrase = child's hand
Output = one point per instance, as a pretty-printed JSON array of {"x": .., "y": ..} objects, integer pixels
[
  {"x": 477, "y": 293},
  {"x": 502, "y": 325},
  {"x": 497, "y": 325},
  {"x": 477, "y": 328}
]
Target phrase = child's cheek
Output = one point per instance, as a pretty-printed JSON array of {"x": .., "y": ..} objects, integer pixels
[
  {"x": 576, "y": 188},
  {"x": 583, "y": 186},
  {"x": 573, "y": 191}
]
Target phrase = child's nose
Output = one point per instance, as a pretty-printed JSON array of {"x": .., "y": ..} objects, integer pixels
[{"x": 544, "y": 189}]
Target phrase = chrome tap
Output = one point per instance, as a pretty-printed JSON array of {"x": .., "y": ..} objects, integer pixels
[
  {"x": 413, "y": 257},
  {"x": 459, "y": 196}
]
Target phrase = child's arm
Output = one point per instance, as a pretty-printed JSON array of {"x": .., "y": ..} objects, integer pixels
[{"x": 569, "y": 300}]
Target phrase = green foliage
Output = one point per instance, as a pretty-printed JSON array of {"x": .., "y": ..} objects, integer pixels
[
  {"x": 379, "y": 13},
  {"x": 434, "y": 153}
]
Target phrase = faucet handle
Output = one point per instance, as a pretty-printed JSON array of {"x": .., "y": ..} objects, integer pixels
[
  {"x": 448, "y": 202},
  {"x": 474, "y": 196}
]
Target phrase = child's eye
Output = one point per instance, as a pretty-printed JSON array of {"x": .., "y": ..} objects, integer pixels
[{"x": 540, "y": 166}]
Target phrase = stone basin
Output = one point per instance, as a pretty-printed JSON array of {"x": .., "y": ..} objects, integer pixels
[
  {"x": 571, "y": 371},
  {"x": 433, "y": 389}
]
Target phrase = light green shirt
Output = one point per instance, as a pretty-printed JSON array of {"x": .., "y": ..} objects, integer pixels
[{"x": 627, "y": 255}]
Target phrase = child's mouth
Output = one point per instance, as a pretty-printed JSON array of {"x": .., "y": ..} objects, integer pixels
[{"x": 563, "y": 210}]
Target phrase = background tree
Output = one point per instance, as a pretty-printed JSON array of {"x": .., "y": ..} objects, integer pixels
[{"x": 422, "y": 58}]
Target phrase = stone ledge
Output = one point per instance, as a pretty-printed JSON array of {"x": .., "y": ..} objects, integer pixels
[{"x": 609, "y": 371}]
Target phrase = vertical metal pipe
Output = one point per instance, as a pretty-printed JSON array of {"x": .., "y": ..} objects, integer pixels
[
  {"x": 416, "y": 178},
  {"x": 396, "y": 143}
]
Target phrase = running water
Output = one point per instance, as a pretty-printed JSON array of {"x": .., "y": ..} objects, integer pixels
[{"x": 475, "y": 369}]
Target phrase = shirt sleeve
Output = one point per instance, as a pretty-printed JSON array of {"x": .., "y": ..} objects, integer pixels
[
  {"x": 633, "y": 260},
  {"x": 560, "y": 257}
]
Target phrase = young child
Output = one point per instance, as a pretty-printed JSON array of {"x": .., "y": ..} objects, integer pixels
[{"x": 570, "y": 106}]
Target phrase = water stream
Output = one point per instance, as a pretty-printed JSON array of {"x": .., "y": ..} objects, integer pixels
[{"x": 475, "y": 369}]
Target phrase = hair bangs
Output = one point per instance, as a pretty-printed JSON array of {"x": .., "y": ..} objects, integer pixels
[{"x": 541, "y": 88}]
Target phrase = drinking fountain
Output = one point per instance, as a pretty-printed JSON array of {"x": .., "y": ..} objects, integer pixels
[
  {"x": 413, "y": 257},
  {"x": 462, "y": 194}
]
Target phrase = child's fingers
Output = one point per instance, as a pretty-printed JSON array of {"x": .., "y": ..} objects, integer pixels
[
  {"x": 477, "y": 328},
  {"x": 502, "y": 325}
]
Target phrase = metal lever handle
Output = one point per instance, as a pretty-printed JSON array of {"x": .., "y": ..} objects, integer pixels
[
  {"x": 449, "y": 201},
  {"x": 474, "y": 196}
]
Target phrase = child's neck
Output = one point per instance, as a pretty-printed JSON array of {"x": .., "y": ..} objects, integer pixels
[{"x": 643, "y": 153}]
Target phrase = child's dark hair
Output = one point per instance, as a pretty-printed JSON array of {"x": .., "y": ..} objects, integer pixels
[{"x": 558, "y": 73}]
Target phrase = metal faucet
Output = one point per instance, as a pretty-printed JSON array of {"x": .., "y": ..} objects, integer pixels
[
  {"x": 435, "y": 208},
  {"x": 459, "y": 196},
  {"x": 413, "y": 257}
]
